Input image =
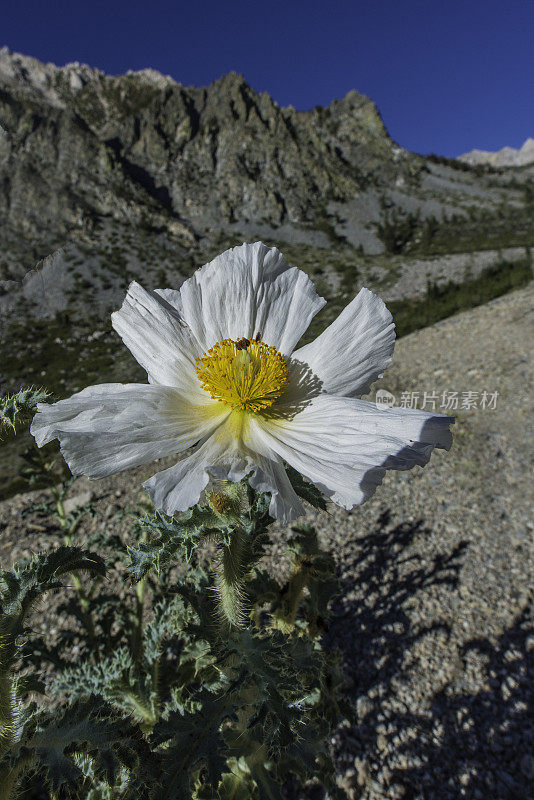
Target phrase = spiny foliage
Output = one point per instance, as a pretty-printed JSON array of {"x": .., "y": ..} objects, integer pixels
[
  {"x": 177, "y": 537},
  {"x": 212, "y": 684},
  {"x": 240, "y": 534},
  {"x": 198, "y": 714},
  {"x": 20, "y": 588},
  {"x": 93, "y": 729},
  {"x": 305, "y": 489},
  {"x": 15, "y": 409},
  {"x": 171, "y": 660},
  {"x": 263, "y": 712},
  {"x": 171, "y": 538},
  {"x": 225, "y": 713},
  {"x": 27, "y": 581},
  {"x": 275, "y": 704},
  {"x": 191, "y": 739}
]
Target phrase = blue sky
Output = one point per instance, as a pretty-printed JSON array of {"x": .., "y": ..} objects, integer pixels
[{"x": 446, "y": 76}]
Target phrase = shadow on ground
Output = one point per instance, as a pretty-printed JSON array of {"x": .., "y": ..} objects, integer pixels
[{"x": 465, "y": 741}]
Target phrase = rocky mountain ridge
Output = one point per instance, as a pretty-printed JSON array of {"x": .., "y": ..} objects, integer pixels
[
  {"x": 81, "y": 151},
  {"x": 141, "y": 144},
  {"x": 506, "y": 157},
  {"x": 107, "y": 179}
]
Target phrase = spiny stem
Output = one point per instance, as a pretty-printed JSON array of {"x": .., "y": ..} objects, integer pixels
[
  {"x": 7, "y": 713},
  {"x": 136, "y": 644},
  {"x": 230, "y": 578},
  {"x": 137, "y": 633},
  {"x": 285, "y": 616},
  {"x": 9, "y": 776},
  {"x": 83, "y": 597}
]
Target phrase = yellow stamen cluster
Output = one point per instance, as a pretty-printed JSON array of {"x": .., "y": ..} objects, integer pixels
[{"x": 246, "y": 375}]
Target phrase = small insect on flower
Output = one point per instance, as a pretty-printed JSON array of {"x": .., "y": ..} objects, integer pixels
[{"x": 246, "y": 403}]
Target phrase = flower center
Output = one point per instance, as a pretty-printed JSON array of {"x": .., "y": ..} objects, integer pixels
[{"x": 247, "y": 375}]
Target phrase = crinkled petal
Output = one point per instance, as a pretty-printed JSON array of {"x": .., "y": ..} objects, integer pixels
[
  {"x": 173, "y": 298},
  {"x": 270, "y": 476},
  {"x": 344, "y": 445},
  {"x": 108, "y": 428},
  {"x": 179, "y": 487},
  {"x": 225, "y": 456},
  {"x": 153, "y": 330},
  {"x": 249, "y": 290},
  {"x": 355, "y": 349}
]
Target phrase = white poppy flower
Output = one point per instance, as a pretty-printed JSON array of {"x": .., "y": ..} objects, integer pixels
[{"x": 225, "y": 380}]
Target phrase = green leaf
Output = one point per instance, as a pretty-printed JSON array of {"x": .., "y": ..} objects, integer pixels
[
  {"x": 89, "y": 728},
  {"x": 277, "y": 701},
  {"x": 18, "y": 408},
  {"x": 269, "y": 787},
  {"x": 193, "y": 739},
  {"x": 305, "y": 489},
  {"x": 233, "y": 787},
  {"x": 21, "y": 587},
  {"x": 28, "y": 579},
  {"x": 172, "y": 538}
]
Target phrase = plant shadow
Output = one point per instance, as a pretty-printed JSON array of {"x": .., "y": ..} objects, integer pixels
[{"x": 466, "y": 740}]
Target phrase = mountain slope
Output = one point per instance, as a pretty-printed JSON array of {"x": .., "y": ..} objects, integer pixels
[
  {"x": 80, "y": 148},
  {"x": 506, "y": 157},
  {"x": 110, "y": 179},
  {"x": 201, "y": 156},
  {"x": 114, "y": 178}
]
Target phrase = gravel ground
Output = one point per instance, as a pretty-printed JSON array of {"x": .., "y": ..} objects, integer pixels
[
  {"x": 434, "y": 619},
  {"x": 416, "y": 273}
]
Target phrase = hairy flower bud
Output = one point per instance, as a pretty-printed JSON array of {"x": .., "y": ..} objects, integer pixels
[{"x": 228, "y": 500}]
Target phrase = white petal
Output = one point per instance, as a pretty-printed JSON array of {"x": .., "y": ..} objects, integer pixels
[
  {"x": 179, "y": 487},
  {"x": 174, "y": 298},
  {"x": 108, "y": 428},
  {"x": 344, "y": 445},
  {"x": 355, "y": 349},
  {"x": 270, "y": 476},
  {"x": 225, "y": 456},
  {"x": 158, "y": 338},
  {"x": 249, "y": 290}
]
